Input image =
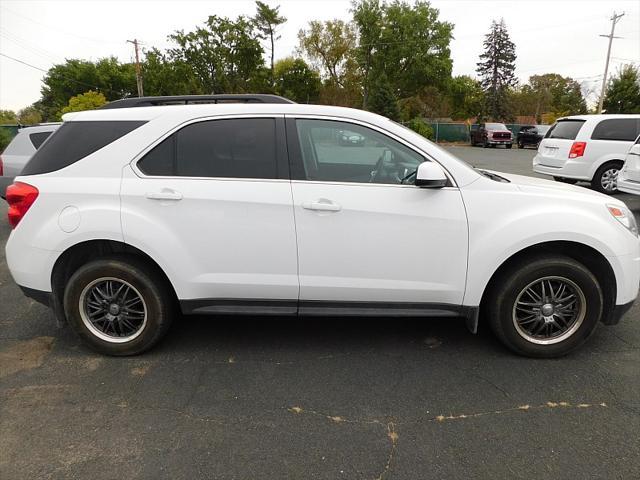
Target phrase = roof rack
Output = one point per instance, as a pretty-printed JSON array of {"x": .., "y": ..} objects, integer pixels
[{"x": 194, "y": 99}]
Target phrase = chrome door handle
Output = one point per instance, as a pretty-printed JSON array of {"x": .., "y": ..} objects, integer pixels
[
  {"x": 322, "y": 206},
  {"x": 165, "y": 194}
]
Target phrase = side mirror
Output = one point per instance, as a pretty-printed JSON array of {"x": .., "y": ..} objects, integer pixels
[
  {"x": 635, "y": 149},
  {"x": 430, "y": 175}
]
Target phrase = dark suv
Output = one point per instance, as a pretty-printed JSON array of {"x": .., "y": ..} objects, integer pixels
[
  {"x": 531, "y": 135},
  {"x": 491, "y": 134}
]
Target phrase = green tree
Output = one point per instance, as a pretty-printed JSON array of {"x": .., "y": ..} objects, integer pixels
[
  {"x": 623, "y": 92},
  {"x": 165, "y": 76},
  {"x": 466, "y": 97},
  {"x": 267, "y": 20},
  {"x": 85, "y": 101},
  {"x": 8, "y": 116},
  {"x": 5, "y": 137},
  {"x": 556, "y": 94},
  {"x": 418, "y": 125},
  {"x": 108, "y": 76},
  {"x": 29, "y": 115},
  {"x": 369, "y": 19},
  {"x": 224, "y": 55},
  {"x": 330, "y": 46},
  {"x": 294, "y": 79},
  {"x": 382, "y": 100},
  {"x": 496, "y": 70}
]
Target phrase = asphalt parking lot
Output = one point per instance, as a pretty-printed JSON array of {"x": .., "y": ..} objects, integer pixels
[{"x": 241, "y": 398}]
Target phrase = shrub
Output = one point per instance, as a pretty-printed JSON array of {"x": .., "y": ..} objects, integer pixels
[{"x": 420, "y": 126}]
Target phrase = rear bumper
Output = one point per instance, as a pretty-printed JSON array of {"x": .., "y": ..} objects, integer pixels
[{"x": 570, "y": 169}]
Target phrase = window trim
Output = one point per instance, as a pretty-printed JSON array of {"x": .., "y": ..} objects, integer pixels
[
  {"x": 282, "y": 163},
  {"x": 296, "y": 161}
]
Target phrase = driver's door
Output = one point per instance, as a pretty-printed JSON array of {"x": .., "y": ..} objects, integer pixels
[{"x": 365, "y": 232}]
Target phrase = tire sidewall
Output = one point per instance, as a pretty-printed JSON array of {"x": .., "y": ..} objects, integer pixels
[
  {"x": 596, "y": 183},
  {"x": 154, "y": 296},
  {"x": 522, "y": 277}
]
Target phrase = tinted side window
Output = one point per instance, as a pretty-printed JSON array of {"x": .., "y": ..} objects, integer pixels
[
  {"x": 344, "y": 152},
  {"x": 38, "y": 139},
  {"x": 623, "y": 129},
  {"x": 74, "y": 141},
  {"x": 565, "y": 129},
  {"x": 234, "y": 148}
]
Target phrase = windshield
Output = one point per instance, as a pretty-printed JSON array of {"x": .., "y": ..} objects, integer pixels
[{"x": 496, "y": 126}]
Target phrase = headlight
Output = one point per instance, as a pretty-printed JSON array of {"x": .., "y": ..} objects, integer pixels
[{"x": 625, "y": 217}]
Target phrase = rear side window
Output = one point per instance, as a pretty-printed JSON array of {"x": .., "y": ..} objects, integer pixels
[
  {"x": 565, "y": 129},
  {"x": 233, "y": 148},
  {"x": 74, "y": 141},
  {"x": 38, "y": 139},
  {"x": 622, "y": 129}
]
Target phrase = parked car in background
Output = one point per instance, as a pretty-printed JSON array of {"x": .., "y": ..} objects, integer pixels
[
  {"x": 491, "y": 135},
  {"x": 20, "y": 150},
  {"x": 350, "y": 138},
  {"x": 591, "y": 148},
  {"x": 531, "y": 135},
  {"x": 126, "y": 216},
  {"x": 629, "y": 176}
]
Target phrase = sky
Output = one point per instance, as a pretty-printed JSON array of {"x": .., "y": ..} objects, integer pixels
[{"x": 559, "y": 36}]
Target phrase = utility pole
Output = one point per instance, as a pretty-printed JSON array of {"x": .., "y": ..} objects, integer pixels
[
  {"x": 614, "y": 20},
  {"x": 138, "y": 72}
]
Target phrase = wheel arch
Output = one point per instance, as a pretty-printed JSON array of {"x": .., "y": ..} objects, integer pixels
[
  {"x": 588, "y": 256},
  {"x": 611, "y": 158},
  {"x": 77, "y": 255}
]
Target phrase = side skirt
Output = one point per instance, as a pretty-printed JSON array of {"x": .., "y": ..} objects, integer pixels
[{"x": 219, "y": 306}]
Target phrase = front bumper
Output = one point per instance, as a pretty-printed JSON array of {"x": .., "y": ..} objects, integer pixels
[{"x": 628, "y": 186}]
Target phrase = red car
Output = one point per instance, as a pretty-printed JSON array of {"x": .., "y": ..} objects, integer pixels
[{"x": 491, "y": 134}]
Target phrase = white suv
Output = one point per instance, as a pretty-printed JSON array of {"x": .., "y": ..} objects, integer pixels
[
  {"x": 126, "y": 215},
  {"x": 587, "y": 147}
]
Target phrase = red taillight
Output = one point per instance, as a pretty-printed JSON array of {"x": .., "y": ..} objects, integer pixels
[
  {"x": 577, "y": 149},
  {"x": 1, "y": 166},
  {"x": 20, "y": 197}
]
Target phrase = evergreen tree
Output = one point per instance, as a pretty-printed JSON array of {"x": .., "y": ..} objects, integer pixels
[
  {"x": 623, "y": 93},
  {"x": 267, "y": 20},
  {"x": 496, "y": 70},
  {"x": 382, "y": 100}
]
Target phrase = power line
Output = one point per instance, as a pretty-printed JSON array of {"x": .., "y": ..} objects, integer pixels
[{"x": 63, "y": 76}]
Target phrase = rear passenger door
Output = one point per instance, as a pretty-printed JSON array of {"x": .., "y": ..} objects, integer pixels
[{"x": 212, "y": 203}]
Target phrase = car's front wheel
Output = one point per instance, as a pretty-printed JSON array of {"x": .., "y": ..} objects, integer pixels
[
  {"x": 545, "y": 307},
  {"x": 509, "y": 145},
  {"x": 118, "y": 305}
]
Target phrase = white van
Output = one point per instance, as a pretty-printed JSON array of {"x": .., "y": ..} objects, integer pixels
[{"x": 590, "y": 148}]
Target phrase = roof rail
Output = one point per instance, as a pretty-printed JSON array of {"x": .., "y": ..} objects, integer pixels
[{"x": 194, "y": 99}]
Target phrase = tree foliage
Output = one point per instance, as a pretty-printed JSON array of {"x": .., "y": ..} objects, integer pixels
[
  {"x": 466, "y": 97},
  {"x": 29, "y": 115},
  {"x": 623, "y": 92},
  {"x": 496, "y": 69},
  {"x": 8, "y": 116},
  {"x": 85, "y": 101},
  {"x": 267, "y": 20},
  {"x": 382, "y": 99},
  {"x": 294, "y": 79},
  {"x": 225, "y": 56}
]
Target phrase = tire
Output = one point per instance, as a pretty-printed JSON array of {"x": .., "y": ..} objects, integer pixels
[
  {"x": 520, "y": 145},
  {"x": 603, "y": 178},
  {"x": 505, "y": 320},
  {"x": 485, "y": 144},
  {"x": 123, "y": 330},
  {"x": 570, "y": 181},
  {"x": 509, "y": 145}
]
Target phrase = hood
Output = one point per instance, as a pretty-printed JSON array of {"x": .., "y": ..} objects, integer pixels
[{"x": 540, "y": 185}]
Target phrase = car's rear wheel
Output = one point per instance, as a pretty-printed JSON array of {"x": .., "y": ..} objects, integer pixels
[
  {"x": 545, "y": 307},
  {"x": 118, "y": 305},
  {"x": 605, "y": 179}
]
